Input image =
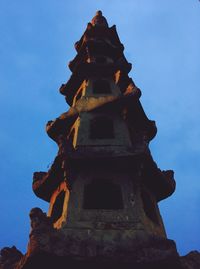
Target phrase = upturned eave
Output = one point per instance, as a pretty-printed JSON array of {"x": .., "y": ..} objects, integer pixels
[
  {"x": 45, "y": 183},
  {"x": 161, "y": 183}
]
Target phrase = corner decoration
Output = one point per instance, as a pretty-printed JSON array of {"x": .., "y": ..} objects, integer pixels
[{"x": 103, "y": 186}]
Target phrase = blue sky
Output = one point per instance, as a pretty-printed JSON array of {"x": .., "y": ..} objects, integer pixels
[{"x": 161, "y": 40}]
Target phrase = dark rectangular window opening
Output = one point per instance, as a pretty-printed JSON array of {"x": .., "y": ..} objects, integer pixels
[
  {"x": 101, "y": 86},
  {"x": 102, "y": 194}
]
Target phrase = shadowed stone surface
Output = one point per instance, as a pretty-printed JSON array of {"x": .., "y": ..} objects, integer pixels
[
  {"x": 191, "y": 260},
  {"x": 10, "y": 257}
]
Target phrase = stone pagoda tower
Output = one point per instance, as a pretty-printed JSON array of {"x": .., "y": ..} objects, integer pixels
[
  {"x": 103, "y": 182},
  {"x": 103, "y": 186}
]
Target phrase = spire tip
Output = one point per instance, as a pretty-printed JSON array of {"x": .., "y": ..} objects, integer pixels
[{"x": 99, "y": 19}]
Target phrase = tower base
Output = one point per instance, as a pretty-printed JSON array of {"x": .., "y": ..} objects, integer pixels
[
  {"x": 65, "y": 248},
  {"x": 56, "y": 249}
]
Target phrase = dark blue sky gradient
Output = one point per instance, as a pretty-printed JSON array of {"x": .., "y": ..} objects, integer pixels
[{"x": 161, "y": 40}]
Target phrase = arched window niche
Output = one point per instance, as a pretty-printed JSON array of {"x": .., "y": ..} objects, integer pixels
[{"x": 102, "y": 194}]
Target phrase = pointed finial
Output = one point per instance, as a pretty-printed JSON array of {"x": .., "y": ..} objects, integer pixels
[
  {"x": 99, "y": 19},
  {"x": 98, "y": 13}
]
